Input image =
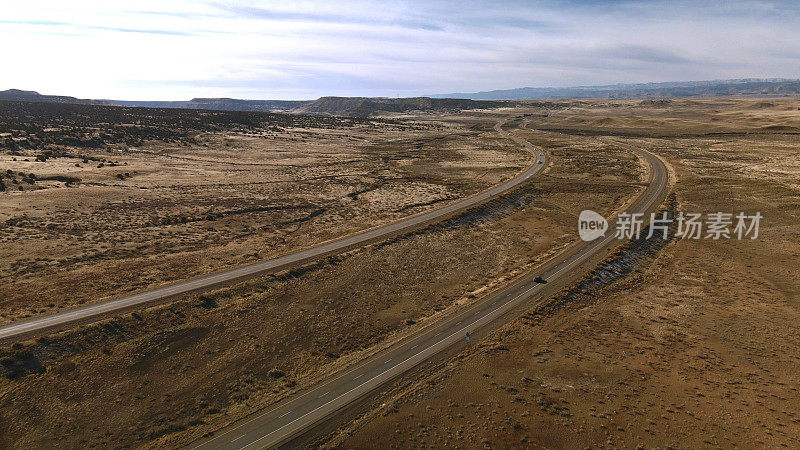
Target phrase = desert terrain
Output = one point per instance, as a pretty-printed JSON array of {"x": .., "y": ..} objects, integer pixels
[
  {"x": 667, "y": 343},
  {"x": 240, "y": 189},
  {"x": 676, "y": 344},
  {"x": 99, "y": 204},
  {"x": 242, "y": 225}
]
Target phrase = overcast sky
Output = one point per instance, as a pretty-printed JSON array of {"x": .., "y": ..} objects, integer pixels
[{"x": 176, "y": 50}]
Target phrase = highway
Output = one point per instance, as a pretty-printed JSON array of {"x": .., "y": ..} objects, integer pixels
[
  {"x": 278, "y": 424},
  {"x": 70, "y": 317}
]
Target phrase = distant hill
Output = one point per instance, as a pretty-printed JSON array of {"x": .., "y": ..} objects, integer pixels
[
  {"x": 336, "y": 106},
  {"x": 370, "y": 106},
  {"x": 750, "y": 87},
  {"x": 33, "y": 96},
  {"x": 220, "y": 104}
]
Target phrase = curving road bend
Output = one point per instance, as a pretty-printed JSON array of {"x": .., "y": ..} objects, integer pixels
[
  {"x": 297, "y": 414},
  {"x": 38, "y": 325}
]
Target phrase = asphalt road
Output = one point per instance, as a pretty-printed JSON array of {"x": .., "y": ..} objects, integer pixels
[
  {"x": 38, "y": 325},
  {"x": 280, "y": 423}
]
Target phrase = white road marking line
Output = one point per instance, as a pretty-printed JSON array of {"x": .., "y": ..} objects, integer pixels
[
  {"x": 284, "y": 414},
  {"x": 387, "y": 361},
  {"x": 323, "y": 395},
  {"x": 415, "y": 346},
  {"x": 234, "y": 440},
  {"x": 358, "y": 376}
]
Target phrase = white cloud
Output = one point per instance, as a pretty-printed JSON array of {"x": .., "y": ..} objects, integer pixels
[{"x": 170, "y": 49}]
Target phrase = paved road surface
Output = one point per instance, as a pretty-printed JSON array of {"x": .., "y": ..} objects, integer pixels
[
  {"x": 280, "y": 423},
  {"x": 38, "y": 325}
]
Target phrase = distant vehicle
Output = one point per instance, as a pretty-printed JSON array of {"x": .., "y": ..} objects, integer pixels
[
  {"x": 540, "y": 280},
  {"x": 540, "y": 162}
]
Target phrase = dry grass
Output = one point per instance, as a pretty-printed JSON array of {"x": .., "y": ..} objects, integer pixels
[
  {"x": 697, "y": 348},
  {"x": 177, "y": 371},
  {"x": 168, "y": 211}
]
